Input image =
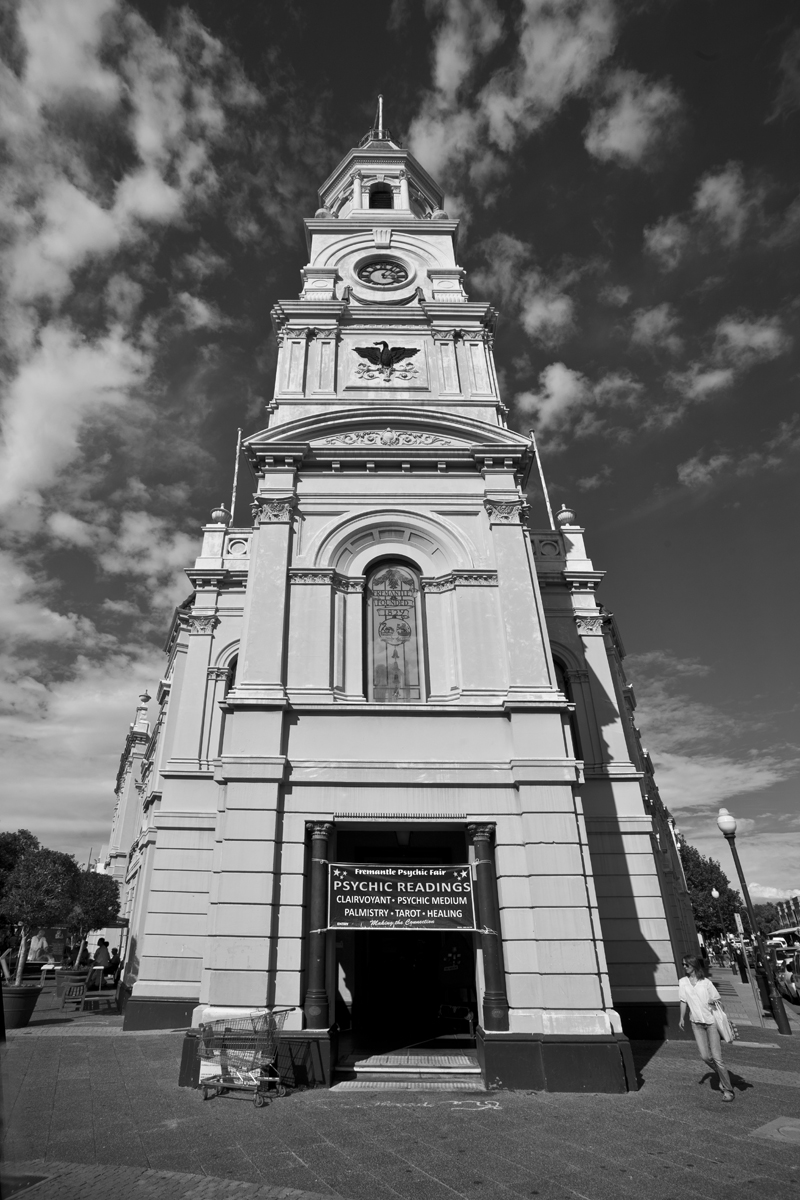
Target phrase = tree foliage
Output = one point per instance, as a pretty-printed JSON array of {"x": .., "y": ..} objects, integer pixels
[
  {"x": 703, "y": 874},
  {"x": 12, "y": 848},
  {"x": 41, "y": 889},
  {"x": 767, "y": 918},
  {"x": 96, "y": 904}
]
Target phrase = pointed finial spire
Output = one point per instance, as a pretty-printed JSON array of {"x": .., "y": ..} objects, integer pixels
[{"x": 378, "y": 133}]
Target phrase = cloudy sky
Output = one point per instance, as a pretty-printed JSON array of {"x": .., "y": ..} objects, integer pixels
[{"x": 627, "y": 179}]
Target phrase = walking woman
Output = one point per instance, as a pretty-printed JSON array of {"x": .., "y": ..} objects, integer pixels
[{"x": 697, "y": 993}]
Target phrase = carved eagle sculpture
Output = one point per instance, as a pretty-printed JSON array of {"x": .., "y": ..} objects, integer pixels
[{"x": 387, "y": 357}]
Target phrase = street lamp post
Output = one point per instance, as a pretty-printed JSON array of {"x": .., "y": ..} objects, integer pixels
[
  {"x": 727, "y": 827},
  {"x": 724, "y": 932}
]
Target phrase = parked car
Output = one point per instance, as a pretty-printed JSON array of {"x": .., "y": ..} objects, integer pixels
[{"x": 788, "y": 976}]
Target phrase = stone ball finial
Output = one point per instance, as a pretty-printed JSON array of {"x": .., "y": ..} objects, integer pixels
[
  {"x": 439, "y": 214},
  {"x": 145, "y": 698},
  {"x": 221, "y": 516},
  {"x": 566, "y": 515}
]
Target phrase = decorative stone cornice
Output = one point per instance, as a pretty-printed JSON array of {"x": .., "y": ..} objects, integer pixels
[
  {"x": 475, "y": 578},
  {"x": 269, "y": 511},
  {"x": 446, "y": 583},
  {"x": 298, "y": 575},
  {"x": 205, "y": 625}
]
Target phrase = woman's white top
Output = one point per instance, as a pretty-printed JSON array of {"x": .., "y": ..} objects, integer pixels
[{"x": 698, "y": 995}]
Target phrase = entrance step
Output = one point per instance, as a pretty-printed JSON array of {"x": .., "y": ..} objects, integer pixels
[
  {"x": 408, "y": 1069},
  {"x": 474, "y": 1084}
]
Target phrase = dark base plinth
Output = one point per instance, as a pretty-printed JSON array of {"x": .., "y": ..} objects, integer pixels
[
  {"x": 654, "y": 1022},
  {"x": 158, "y": 1014},
  {"x": 550, "y": 1063},
  {"x": 306, "y": 1057}
]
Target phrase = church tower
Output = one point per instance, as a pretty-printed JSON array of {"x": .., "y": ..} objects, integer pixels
[{"x": 395, "y": 783}]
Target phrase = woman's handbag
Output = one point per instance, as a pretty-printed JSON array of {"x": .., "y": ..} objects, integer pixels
[{"x": 727, "y": 1030}]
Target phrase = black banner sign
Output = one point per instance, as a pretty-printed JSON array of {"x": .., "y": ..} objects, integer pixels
[{"x": 377, "y": 896}]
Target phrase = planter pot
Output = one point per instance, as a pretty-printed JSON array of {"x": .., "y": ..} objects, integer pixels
[{"x": 19, "y": 1003}]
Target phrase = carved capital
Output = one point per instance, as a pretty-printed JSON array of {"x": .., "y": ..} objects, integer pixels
[
  {"x": 348, "y": 583},
  {"x": 589, "y": 625},
  {"x": 268, "y": 511},
  {"x": 319, "y": 830},
  {"x": 481, "y": 833},
  {"x": 201, "y": 624},
  {"x": 504, "y": 512}
]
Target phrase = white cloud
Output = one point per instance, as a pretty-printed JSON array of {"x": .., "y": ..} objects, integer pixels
[
  {"x": 722, "y": 199},
  {"x": 740, "y": 342},
  {"x": 542, "y": 304},
  {"x": 615, "y": 294},
  {"x": 702, "y": 470},
  {"x": 702, "y": 755},
  {"x": 666, "y": 241},
  {"x": 745, "y": 341},
  {"x": 65, "y": 381},
  {"x": 62, "y": 39},
  {"x": 25, "y": 615},
  {"x": 633, "y": 121},
  {"x": 766, "y": 895},
  {"x": 699, "y": 382},
  {"x": 561, "y": 45},
  {"x": 562, "y": 391},
  {"x": 65, "y": 743},
  {"x": 654, "y": 328}
]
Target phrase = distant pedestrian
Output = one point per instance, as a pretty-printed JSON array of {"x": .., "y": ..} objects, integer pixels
[
  {"x": 101, "y": 955},
  {"x": 697, "y": 993}
]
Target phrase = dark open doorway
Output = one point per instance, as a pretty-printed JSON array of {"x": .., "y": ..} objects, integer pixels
[{"x": 400, "y": 988}]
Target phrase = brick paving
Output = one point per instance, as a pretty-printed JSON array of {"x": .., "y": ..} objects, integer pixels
[{"x": 103, "y": 1113}]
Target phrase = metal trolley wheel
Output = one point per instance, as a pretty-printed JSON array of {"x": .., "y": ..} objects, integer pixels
[{"x": 260, "y": 1100}]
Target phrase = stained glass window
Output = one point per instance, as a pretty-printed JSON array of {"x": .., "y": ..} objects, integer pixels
[{"x": 393, "y": 642}]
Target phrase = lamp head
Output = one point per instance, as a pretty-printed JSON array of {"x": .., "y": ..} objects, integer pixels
[
  {"x": 726, "y": 823},
  {"x": 715, "y": 894}
]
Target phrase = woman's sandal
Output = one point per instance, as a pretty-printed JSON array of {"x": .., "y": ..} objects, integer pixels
[{"x": 728, "y": 1096}]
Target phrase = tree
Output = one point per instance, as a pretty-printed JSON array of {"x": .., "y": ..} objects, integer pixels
[
  {"x": 767, "y": 918},
  {"x": 96, "y": 904},
  {"x": 40, "y": 890},
  {"x": 703, "y": 874},
  {"x": 12, "y": 848}
]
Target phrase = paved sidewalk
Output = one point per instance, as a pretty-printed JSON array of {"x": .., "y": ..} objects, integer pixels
[
  {"x": 106, "y": 1118},
  {"x": 73, "y": 1181}
]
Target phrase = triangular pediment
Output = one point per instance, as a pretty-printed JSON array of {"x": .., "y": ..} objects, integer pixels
[{"x": 390, "y": 429}]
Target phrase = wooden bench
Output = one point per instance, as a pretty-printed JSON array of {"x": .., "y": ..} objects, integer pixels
[{"x": 78, "y": 995}]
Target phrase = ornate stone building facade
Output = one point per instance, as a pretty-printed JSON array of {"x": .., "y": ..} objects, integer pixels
[{"x": 388, "y": 667}]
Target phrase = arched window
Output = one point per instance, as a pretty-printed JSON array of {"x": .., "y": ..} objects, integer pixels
[
  {"x": 230, "y": 678},
  {"x": 394, "y": 650},
  {"x": 381, "y": 196}
]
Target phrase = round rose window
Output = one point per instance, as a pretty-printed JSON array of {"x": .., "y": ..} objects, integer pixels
[{"x": 383, "y": 274}]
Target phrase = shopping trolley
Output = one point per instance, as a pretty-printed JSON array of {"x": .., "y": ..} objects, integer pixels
[{"x": 244, "y": 1049}]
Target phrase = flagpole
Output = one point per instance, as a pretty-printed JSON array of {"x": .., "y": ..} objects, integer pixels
[
  {"x": 541, "y": 477},
  {"x": 236, "y": 473}
]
